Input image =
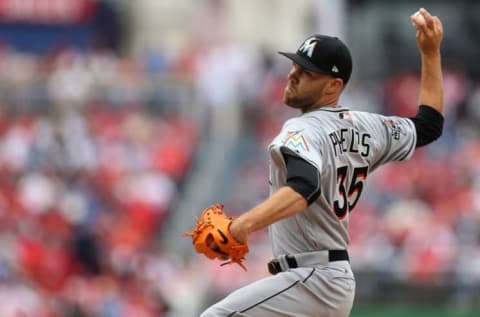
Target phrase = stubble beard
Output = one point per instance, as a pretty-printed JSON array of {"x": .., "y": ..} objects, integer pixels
[
  {"x": 305, "y": 103},
  {"x": 292, "y": 100}
]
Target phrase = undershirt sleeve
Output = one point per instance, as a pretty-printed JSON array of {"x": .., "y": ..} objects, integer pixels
[
  {"x": 302, "y": 176},
  {"x": 428, "y": 124}
]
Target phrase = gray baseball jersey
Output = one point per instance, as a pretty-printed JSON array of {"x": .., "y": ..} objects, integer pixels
[{"x": 345, "y": 146}]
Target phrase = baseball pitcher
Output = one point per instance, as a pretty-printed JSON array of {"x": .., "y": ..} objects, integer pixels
[{"x": 319, "y": 164}]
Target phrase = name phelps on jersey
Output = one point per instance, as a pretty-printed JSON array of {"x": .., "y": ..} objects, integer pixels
[{"x": 350, "y": 140}]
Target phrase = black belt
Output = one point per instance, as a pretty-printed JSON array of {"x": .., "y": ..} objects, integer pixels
[{"x": 291, "y": 261}]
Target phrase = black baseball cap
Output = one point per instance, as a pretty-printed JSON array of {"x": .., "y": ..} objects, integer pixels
[{"x": 324, "y": 54}]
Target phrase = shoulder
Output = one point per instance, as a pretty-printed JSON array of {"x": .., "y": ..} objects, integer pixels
[
  {"x": 300, "y": 123},
  {"x": 307, "y": 123},
  {"x": 368, "y": 118},
  {"x": 295, "y": 121}
]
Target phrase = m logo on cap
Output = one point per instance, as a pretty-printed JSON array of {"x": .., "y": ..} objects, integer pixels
[{"x": 308, "y": 46}]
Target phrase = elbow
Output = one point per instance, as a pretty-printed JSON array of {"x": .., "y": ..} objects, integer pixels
[
  {"x": 307, "y": 190},
  {"x": 301, "y": 200},
  {"x": 428, "y": 125},
  {"x": 428, "y": 134}
]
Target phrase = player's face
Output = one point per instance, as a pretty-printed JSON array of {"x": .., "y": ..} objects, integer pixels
[{"x": 304, "y": 89}]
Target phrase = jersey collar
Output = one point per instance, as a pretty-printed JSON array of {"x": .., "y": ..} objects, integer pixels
[{"x": 330, "y": 109}]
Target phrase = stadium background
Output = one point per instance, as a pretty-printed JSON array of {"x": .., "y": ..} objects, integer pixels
[{"x": 120, "y": 120}]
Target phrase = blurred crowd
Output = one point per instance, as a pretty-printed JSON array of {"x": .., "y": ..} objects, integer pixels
[
  {"x": 95, "y": 149},
  {"x": 92, "y": 160}
]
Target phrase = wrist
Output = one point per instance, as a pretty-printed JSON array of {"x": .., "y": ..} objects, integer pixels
[
  {"x": 239, "y": 230},
  {"x": 433, "y": 54}
]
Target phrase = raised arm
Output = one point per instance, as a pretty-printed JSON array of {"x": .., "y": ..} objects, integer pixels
[
  {"x": 429, "y": 119},
  {"x": 429, "y": 37}
]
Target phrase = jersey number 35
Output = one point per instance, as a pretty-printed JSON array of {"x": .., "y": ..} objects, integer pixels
[{"x": 348, "y": 199}]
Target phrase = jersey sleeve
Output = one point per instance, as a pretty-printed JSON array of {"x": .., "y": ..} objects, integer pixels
[
  {"x": 395, "y": 139},
  {"x": 301, "y": 140}
]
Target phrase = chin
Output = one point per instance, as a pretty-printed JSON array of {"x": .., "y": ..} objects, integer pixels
[
  {"x": 293, "y": 104},
  {"x": 289, "y": 99},
  {"x": 296, "y": 102}
]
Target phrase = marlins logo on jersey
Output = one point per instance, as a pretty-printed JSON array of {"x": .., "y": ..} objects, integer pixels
[{"x": 296, "y": 140}]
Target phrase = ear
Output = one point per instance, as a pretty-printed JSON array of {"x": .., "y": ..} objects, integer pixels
[{"x": 335, "y": 85}]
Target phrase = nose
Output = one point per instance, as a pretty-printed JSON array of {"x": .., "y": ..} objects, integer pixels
[{"x": 293, "y": 74}]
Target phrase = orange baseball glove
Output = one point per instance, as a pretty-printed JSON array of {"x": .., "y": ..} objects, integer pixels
[{"x": 211, "y": 236}]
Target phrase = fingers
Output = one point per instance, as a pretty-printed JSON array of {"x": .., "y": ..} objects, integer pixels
[
  {"x": 438, "y": 27},
  {"x": 426, "y": 23},
  {"x": 427, "y": 16}
]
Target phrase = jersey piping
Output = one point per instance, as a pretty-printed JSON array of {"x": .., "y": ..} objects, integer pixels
[{"x": 276, "y": 294}]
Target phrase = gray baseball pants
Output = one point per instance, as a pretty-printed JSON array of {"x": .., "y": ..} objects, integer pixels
[{"x": 324, "y": 290}]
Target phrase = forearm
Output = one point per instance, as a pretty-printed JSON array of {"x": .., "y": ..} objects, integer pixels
[
  {"x": 282, "y": 204},
  {"x": 431, "y": 84}
]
